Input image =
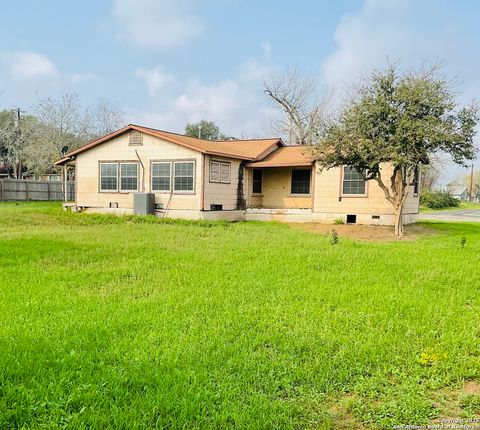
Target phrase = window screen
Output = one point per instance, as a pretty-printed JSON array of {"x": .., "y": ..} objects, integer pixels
[
  {"x": 161, "y": 173},
  {"x": 301, "y": 181},
  {"x": 108, "y": 176},
  {"x": 257, "y": 181},
  {"x": 128, "y": 176},
  {"x": 183, "y": 176},
  {"x": 353, "y": 182}
]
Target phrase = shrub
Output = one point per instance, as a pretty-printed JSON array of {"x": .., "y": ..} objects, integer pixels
[
  {"x": 438, "y": 200},
  {"x": 339, "y": 220}
]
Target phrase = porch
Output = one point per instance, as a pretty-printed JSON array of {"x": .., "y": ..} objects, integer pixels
[{"x": 281, "y": 186}]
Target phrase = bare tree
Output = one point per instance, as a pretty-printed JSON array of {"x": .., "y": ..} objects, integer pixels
[
  {"x": 430, "y": 173},
  {"x": 103, "y": 118},
  {"x": 303, "y": 110}
]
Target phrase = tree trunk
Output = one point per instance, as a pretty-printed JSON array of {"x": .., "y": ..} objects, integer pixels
[{"x": 398, "y": 219}]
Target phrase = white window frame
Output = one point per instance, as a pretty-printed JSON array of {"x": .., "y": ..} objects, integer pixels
[
  {"x": 120, "y": 164},
  {"x": 109, "y": 190},
  {"x": 364, "y": 194},
  {"x": 192, "y": 191},
  {"x": 154, "y": 190}
]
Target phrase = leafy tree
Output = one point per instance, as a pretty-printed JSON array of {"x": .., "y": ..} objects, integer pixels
[
  {"x": 399, "y": 120},
  {"x": 207, "y": 130},
  {"x": 16, "y": 136}
]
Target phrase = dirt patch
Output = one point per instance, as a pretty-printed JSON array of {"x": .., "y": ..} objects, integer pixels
[
  {"x": 450, "y": 402},
  {"x": 471, "y": 387},
  {"x": 364, "y": 232}
]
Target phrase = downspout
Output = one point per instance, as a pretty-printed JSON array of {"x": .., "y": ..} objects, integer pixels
[
  {"x": 143, "y": 171},
  {"x": 202, "y": 190},
  {"x": 314, "y": 174}
]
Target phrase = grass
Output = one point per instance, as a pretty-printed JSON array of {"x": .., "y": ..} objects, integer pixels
[
  {"x": 135, "y": 323},
  {"x": 463, "y": 206}
]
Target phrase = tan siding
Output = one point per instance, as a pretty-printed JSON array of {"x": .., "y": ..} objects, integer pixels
[
  {"x": 220, "y": 193},
  {"x": 328, "y": 198},
  {"x": 118, "y": 150}
]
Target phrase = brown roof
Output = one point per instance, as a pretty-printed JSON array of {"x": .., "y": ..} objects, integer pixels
[
  {"x": 252, "y": 149},
  {"x": 286, "y": 156}
]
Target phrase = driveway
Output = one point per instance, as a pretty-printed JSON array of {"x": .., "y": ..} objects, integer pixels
[{"x": 472, "y": 215}]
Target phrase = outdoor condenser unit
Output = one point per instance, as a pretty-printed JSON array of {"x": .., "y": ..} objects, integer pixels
[{"x": 144, "y": 203}]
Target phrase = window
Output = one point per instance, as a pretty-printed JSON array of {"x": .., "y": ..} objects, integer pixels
[
  {"x": 219, "y": 172},
  {"x": 301, "y": 181},
  {"x": 257, "y": 181},
  {"x": 353, "y": 182},
  {"x": 225, "y": 173},
  {"x": 214, "y": 171},
  {"x": 135, "y": 138},
  {"x": 416, "y": 178},
  {"x": 53, "y": 177},
  {"x": 161, "y": 176},
  {"x": 108, "y": 176},
  {"x": 128, "y": 176},
  {"x": 183, "y": 176}
]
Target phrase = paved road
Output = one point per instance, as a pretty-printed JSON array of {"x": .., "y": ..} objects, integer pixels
[{"x": 472, "y": 215}]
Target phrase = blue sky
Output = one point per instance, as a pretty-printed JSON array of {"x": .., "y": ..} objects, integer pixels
[{"x": 167, "y": 62}]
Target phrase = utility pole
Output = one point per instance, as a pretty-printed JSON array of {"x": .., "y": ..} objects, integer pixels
[
  {"x": 471, "y": 185},
  {"x": 199, "y": 131},
  {"x": 20, "y": 167}
]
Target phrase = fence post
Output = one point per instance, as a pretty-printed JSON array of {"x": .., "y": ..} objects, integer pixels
[
  {"x": 48, "y": 191},
  {"x": 2, "y": 192},
  {"x": 26, "y": 190}
]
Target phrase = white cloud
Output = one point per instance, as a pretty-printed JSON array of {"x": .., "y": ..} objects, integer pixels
[
  {"x": 411, "y": 32},
  {"x": 28, "y": 65},
  {"x": 237, "y": 104},
  {"x": 78, "y": 78},
  {"x": 155, "y": 78},
  {"x": 157, "y": 23},
  {"x": 381, "y": 30}
]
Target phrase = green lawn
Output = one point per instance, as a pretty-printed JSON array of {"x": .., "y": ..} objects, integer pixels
[
  {"x": 125, "y": 323},
  {"x": 463, "y": 206}
]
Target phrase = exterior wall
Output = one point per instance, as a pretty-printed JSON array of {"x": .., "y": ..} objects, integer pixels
[
  {"x": 221, "y": 193},
  {"x": 118, "y": 149},
  {"x": 329, "y": 203},
  {"x": 276, "y": 193}
]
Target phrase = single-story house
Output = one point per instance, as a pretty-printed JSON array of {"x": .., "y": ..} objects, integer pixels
[{"x": 254, "y": 179}]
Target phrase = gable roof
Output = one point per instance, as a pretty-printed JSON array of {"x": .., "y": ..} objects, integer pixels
[
  {"x": 251, "y": 149},
  {"x": 285, "y": 156}
]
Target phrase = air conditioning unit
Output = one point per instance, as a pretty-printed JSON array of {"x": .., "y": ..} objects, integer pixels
[{"x": 144, "y": 203}]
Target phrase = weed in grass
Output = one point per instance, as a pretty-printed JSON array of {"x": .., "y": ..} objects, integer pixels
[
  {"x": 334, "y": 239},
  {"x": 463, "y": 242}
]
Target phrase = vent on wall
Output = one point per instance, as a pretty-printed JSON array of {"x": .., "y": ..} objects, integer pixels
[
  {"x": 135, "y": 138},
  {"x": 216, "y": 207},
  {"x": 375, "y": 216},
  {"x": 351, "y": 219},
  {"x": 113, "y": 204}
]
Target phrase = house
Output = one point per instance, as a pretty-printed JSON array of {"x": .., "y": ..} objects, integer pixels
[{"x": 255, "y": 179}]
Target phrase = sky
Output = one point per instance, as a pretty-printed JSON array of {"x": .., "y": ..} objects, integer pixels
[{"x": 169, "y": 62}]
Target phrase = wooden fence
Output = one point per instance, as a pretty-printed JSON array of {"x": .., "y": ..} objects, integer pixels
[{"x": 22, "y": 190}]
